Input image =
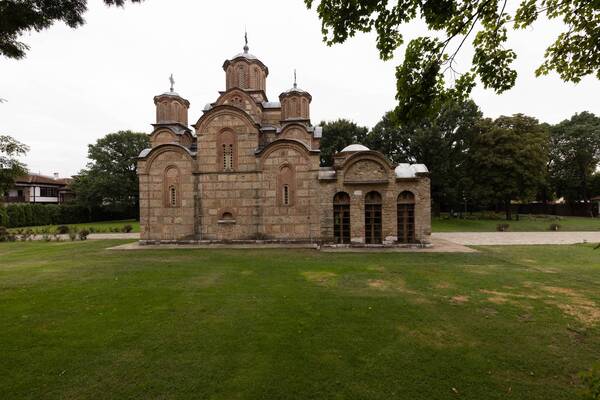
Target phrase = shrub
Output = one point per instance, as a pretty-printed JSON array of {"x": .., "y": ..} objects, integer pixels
[
  {"x": 62, "y": 229},
  {"x": 72, "y": 235},
  {"x": 3, "y": 217},
  {"x": 127, "y": 228},
  {"x": 554, "y": 227},
  {"x": 502, "y": 227},
  {"x": 83, "y": 234},
  {"x": 46, "y": 237},
  {"x": 3, "y": 234}
]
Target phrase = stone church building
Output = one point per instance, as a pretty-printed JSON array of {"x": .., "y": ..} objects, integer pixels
[{"x": 248, "y": 170}]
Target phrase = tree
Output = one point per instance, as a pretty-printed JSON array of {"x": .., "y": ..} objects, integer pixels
[
  {"x": 506, "y": 160},
  {"x": 439, "y": 141},
  {"x": 574, "y": 156},
  {"x": 337, "y": 135},
  {"x": 421, "y": 87},
  {"x": 111, "y": 178},
  {"x": 18, "y": 17},
  {"x": 10, "y": 166}
]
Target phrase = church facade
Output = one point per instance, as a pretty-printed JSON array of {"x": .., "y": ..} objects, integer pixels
[{"x": 249, "y": 170}]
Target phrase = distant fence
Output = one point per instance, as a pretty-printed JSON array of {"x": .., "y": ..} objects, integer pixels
[{"x": 565, "y": 210}]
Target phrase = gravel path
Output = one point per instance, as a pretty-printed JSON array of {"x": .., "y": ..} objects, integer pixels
[{"x": 517, "y": 238}]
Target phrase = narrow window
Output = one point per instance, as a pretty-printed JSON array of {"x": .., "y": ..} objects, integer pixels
[
  {"x": 286, "y": 195},
  {"x": 172, "y": 196},
  {"x": 227, "y": 157}
]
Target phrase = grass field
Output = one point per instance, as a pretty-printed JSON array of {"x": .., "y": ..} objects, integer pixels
[
  {"x": 83, "y": 322},
  {"x": 526, "y": 223},
  {"x": 98, "y": 227}
]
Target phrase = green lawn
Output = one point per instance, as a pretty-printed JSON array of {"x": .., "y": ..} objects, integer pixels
[
  {"x": 82, "y": 322},
  {"x": 526, "y": 223},
  {"x": 98, "y": 227}
]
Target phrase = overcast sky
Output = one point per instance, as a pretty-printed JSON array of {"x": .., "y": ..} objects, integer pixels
[{"x": 75, "y": 86}]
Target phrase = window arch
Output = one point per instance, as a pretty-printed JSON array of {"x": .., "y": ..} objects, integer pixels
[
  {"x": 226, "y": 151},
  {"x": 373, "y": 218},
  {"x": 286, "y": 186},
  {"x": 341, "y": 217},
  {"x": 172, "y": 192},
  {"x": 406, "y": 217}
]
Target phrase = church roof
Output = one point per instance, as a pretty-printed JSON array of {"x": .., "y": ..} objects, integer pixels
[
  {"x": 355, "y": 147},
  {"x": 404, "y": 170}
]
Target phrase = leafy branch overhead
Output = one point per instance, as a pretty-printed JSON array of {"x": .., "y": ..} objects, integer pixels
[
  {"x": 575, "y": 53},
  {"x": 18, "y": 17}
]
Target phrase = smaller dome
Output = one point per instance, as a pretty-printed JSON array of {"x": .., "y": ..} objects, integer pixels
[
  {"x": 404, "y": 170},
  {"x": 244, "y": 55},
  {"x": 354, "y": 147}
]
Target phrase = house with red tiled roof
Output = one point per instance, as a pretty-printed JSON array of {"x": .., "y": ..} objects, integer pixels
[{"x": 42, "y": 189}]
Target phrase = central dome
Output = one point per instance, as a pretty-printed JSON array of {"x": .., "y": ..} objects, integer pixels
[{"x": 354, "y": 147}]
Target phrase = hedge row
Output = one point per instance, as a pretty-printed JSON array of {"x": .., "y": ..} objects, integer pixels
[{"x": 17, "y": 215}]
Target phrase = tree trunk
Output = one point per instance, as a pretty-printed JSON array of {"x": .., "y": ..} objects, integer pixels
[{"x": 508, "y": 210}]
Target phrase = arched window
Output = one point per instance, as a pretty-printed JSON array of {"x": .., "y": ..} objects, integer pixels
[
  {"x": 286, "y": 186},
  {"x": 226, "y": 151},
  {"x": 373, "y": 218},
  {"x": 406, "y": 217},
  {"x": 171, "y": 182},
  {"x": 341, "y": 217}
]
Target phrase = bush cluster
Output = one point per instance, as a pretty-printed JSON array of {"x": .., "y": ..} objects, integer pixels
[{"x": 17, "y": 215}]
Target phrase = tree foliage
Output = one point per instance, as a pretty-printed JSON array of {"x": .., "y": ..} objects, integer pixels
[
  {"x": 574, "y": 156},
  {"x": 111, "y": 178},
  {"x": 337, "y": 135},
  {"x": 20, "y": 16},
  {"x": 10, "y": 166},
  {"x": 440, "y": 142},
  {"x": 506, "y": 160},
  {"x": 428, "y": 60}
]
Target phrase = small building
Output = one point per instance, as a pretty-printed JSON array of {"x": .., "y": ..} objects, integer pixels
[
  {"x": 249, "y": 170},
  {"x": 40, "y": 189}
]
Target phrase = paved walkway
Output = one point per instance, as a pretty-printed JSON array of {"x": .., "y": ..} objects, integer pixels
[
  {"x": 517, "y": 238},
  {"x": 442, "y": 241}
]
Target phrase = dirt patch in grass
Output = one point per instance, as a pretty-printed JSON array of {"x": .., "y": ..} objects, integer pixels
[
  {"x": 395, "y": 284},
  {"x": 322, "y": 278},
  {"x": 443, "y": 285},
  {"x": 575, "y": 304},
  {"x": 460, "y": 299}
]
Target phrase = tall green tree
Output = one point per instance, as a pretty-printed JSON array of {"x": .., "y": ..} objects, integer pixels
[
  {"x": 574, "y": 156},
  {"x": 428, "y": 60},
  {"x": 21, "y": 16},
  {"x": 10, "y": 166},
  {"x": 506, "y": 160},
  {"x": 439, "y": 141},
  {"x": 110, "y": 177},
  {"x": 337, "y": 135}
]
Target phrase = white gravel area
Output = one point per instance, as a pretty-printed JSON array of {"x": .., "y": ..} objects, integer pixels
[{"x": 517, "y": 238}]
